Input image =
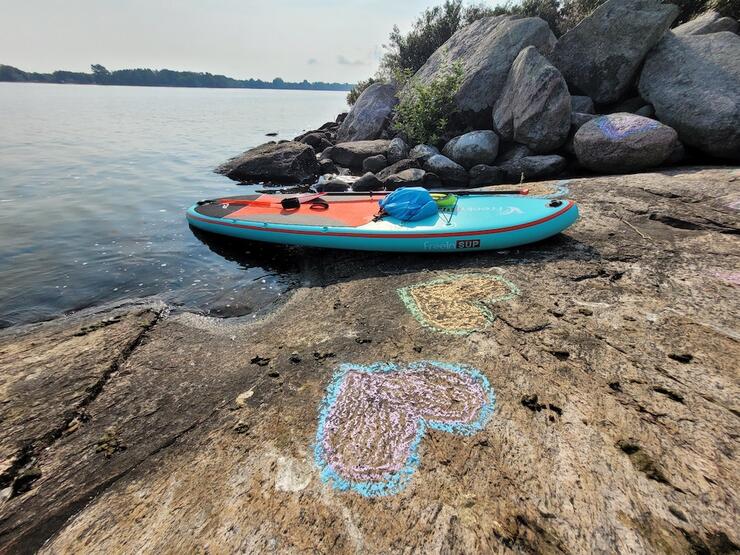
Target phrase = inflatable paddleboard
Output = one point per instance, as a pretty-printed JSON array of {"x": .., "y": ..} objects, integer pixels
[{"x": 342, "y": 221}]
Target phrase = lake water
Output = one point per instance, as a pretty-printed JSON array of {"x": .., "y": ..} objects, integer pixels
[{"x": 94, "y": 182}]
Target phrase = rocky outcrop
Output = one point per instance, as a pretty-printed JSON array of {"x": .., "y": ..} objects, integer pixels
[
  {"x": 708, "y": 22},
  {"x": 471, "y": 149},
  {"x": 535, "y": 106},
  {"x": 398, "y": 150},
  {"x": 486, "y": 49},
  {"x": 370, "y": 114},
  {"x": 287, "y": 162},
  {"x": 692, "y": 81},
  {"x": 622, "y": 143},
  {"x": 353, "y": 154},
  {"x": 451, "y": 173},
  {"x": 615, "y": 379},
  {"x": 601, "y": 56},
  {"x": 533, "y": 167}
]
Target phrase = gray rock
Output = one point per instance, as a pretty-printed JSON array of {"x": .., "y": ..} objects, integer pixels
[
  {"x": 533, "y": 167},
  {"x": 353, "y": 154},
  {"x": 335, "y": 185},
  {"x": 327, "y": 166},
  {"x": 534, "y": 108},
  {"x": 368, "y": 182},
  {"x": 432, "y": 181},
  {"x": 514, "y": 152},
  {"x": 451, "y": 173},
  {"x": 413, "y": 177},
  {"x": 602, "y": 54},
  {"x": 577, "y": 120},
  {"x": 646, "y": 111},
  {"x": 623, "y": 143},
  {"x": 288, "y": 162},
  {"x": 582, "y": 104},
  {"x": 370, "y": 114},
  {"x": 398, "y": 167},
  {"x": 677, "y": 154},
  {"x": 422, "y": 153},
  {"x": 482, "y": 175},
  {"x": 486, "y": 49},
  {"x": 629, "y": 105},
  {"x": 471, "y": 149},
  {"x": 374, "y": 164},
  {"x": 317, "y": 140},
  {"x": 708, "y": 22},
  {"x": 398, "y": 150},
  {"x": 692, "y": 81}
]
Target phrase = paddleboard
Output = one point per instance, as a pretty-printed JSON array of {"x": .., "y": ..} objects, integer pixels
[{"x": 475, "y": 222}]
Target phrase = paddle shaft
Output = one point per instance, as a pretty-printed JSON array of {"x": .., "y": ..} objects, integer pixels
[{"x": 464, "y": 192}]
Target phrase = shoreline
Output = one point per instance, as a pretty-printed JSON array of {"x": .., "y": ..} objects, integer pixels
[{"x": 612, "y": 366}]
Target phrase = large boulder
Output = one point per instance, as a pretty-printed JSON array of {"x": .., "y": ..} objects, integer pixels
[
  {"x": 368, "y": 182},
  {"x": 708, "y": 22},
  {"x": 623, "y": 143},
  {"x": 288, "y": 162},
  {"x": 471, "y": 149},
  {"x": 370, "y": 114},
  {"x": 413, "y": 177},
  {"x": 353, "y": 154},
  {"x": 600, "y": 57},
  {"x": 534, "y": 108},
  {"x": 533, "y": 167},
  {"x": 692, "y": 81},
  {"x": 486, "y": 49},
  {"x": 451, "y": 173},
  {"x": 374, "y": 164}
]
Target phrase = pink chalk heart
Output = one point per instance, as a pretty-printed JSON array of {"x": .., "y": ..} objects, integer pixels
[{"x": 373, "y": 419}]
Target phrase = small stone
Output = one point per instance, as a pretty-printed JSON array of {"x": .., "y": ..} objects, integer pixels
[{"x": 241, "y": 400}]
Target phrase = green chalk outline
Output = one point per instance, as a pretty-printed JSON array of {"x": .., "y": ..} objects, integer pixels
[{"x": 482, "y": 305}]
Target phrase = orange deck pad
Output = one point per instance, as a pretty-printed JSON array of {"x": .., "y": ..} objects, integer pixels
[{"x": 351, "y": 212}]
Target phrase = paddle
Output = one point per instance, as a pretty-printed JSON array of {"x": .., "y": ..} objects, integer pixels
[{"x": 464, "y": 192}]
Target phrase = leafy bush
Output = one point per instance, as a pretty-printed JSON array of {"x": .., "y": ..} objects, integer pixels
[
  {"x": 425, "y": 108},
  {"x": 359, "y": 88}
]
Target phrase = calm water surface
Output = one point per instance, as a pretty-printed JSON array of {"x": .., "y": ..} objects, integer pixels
[{"x": 94, "y": 182}]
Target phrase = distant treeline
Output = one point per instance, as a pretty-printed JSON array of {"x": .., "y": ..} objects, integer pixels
[{"x": 159, "y": 78}]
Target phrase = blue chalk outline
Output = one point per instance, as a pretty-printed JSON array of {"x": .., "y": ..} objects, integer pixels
[
  {"x": 395, "y": 482},
  {"x": 611, "y": 132}
]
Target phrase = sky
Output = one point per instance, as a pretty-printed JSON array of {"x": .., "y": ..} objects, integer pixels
[{"x": 318, "y": 40}]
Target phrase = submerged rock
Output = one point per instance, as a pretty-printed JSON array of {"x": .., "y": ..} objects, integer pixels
[
  {"x": 600, "y": 57},
  {"x": 471, "y": 149},
  {"x": 692, "y": 81},
  {"x": 370, "y": 114},
  {"x": 535, "y": 106},
  {"x": 286, "y": 162},
  {"x": 623, "y": 143},
  {"x": 486, "y": 49}
]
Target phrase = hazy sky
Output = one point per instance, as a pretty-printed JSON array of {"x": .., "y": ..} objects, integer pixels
[{"x": 327, "y": 40}]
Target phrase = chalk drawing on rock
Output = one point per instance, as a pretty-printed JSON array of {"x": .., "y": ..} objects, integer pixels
[
  {"x": 728, "y": 277},
  {"x": 373, "y": 419},
  {"x": 734, "y": 205},
  {"x": 621, "y": 126},
  {"x": 458, "y": 304}
]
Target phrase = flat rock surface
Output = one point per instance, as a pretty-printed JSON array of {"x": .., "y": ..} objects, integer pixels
[{"x": 610, "y": 353}]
